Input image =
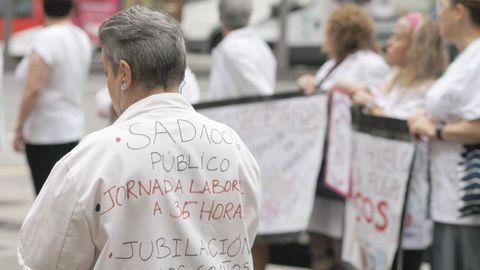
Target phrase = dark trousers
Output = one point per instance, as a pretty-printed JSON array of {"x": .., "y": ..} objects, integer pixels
[
  {"x": 456, "y": 247},
  {"x": 42, "y": 158},
  {"x": 412, "y": 260}
]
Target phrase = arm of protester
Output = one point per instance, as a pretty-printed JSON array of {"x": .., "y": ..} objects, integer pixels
[
  {"x": 351, "y": 88},
  {"x": 306, "y": 84},
  {"x": 464, "y": 132},
  {"x": 55, "y": 233},
  {"x": 38, "y": 73}
]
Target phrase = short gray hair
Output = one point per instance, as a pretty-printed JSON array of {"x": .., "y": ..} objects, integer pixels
[
  {"x": 235, "y": 14},
  {"x": 151, "y": 42}
]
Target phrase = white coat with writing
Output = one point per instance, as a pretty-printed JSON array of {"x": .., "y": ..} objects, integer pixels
[
  {"x": 162, "y": 188},
  {"x": 242, "y": 65}
]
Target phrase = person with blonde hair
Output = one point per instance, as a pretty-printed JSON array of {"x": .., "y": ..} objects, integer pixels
[
  {"x": 354, "y": 58},
  {"x": 451, "y": 122},
  {"x": 419, "y": 57}
]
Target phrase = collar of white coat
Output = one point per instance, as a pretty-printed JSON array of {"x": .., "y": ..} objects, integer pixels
[
  {"x": 163, "y": 101},
  {"x": 238, "y": 34}
]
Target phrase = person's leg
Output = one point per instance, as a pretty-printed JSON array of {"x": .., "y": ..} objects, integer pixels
[
  {"x": 42, "y": 158},
  {"x": 470, "y": 247},
  {"x": 412, "y": 259},
  {"x": 261, "y": 255},
  {"x": 444, "y": 247},
  {"x": 326, "y": 252}
]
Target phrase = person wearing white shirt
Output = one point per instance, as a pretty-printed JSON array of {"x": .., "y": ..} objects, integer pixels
[
  {"x": 350, "y": 43},
  {"x": 189, "y": 89},
  {"x": 452, "y": 122},
  {"x": 164, "y": 187},
  {"x": 418, "y": 54},
  {"x": 51, "y": 120},
  {"x": 242, "y": 63},
  {"x": 2, "y": 104}
]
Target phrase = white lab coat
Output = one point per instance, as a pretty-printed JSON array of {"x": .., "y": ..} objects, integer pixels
[
  {"x": 242, "y": 65},
  {"x": 404, "y": 102},
  {"x": 365, "y": 67},
  {"x": 162, "y": 188}
]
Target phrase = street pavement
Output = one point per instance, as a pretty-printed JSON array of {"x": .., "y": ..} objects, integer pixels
[{"x": 16, "y": 189}]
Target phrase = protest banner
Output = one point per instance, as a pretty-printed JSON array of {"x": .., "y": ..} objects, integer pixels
[
  {"x": 338, "y": 165},
  {"x": 285, "y": 133},
  {"x": 383, "y": 155}
]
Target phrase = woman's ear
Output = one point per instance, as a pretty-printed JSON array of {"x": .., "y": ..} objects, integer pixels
[
  {"x": 461, "y": 13},
  {"x": 125, "y": 73}
]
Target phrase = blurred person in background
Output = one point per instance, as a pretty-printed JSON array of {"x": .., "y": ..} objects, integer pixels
[
  {"x": 189, "y": 89},
  {"x": 2, "y": 105},
  {"x": 452, "y": 123},
  {"x": 354, "y": 54},
  {"x": 51, "y": 121},
  {"x": 419, "y": 57},
  {"x": 354, "y": 58},
  {"x": 84, "y": 219},
  {"x": 242, "y": 63}
]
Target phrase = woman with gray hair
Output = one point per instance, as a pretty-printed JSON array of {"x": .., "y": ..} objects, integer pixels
[
  {"x": 242, "y": 64},
  {"x": 151, "y": 191}
]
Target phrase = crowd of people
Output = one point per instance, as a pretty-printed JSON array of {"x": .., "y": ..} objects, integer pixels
[{"x": 94, "y": 208}]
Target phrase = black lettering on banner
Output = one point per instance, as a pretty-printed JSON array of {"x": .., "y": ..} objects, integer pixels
[
  {"x": 131, "y": 251},
  {"x": 187, "y": 254},
  {"x": 140, "y": 251},
  {"x": 232, "y": 252},
  {"x": 176, "y": 240},
  {"x": 219, "y": 136},
  {"x": 204, "y": 132},
  {"x": 158, "y": 131},
  {"x": 182, "y": 130},
  {"x": 162, "y": 246},
  {"x": 141, "y": 146}
]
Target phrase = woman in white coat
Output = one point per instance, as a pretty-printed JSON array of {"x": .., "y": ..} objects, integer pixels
[
  {"x": 163, "y": 187},
  {"x": 350, "y": 43},
  {"x": 242, "y": 64},
  {"x": 452, "y": 123},
  {"x": 419, "y": 57}
]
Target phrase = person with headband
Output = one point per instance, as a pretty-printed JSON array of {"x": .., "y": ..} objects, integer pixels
[
  {"x": 51, "y": 120},
  {"x": 164, "y": 187},
  {"x": 418, "y": 57},
  {"x": 451, "y": 122}
]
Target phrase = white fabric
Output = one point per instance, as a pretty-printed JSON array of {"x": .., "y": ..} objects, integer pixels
[
  {"x": 361, "y": 67},
  {"x": 455, "y": 96},
  {"x": 402, "y": 102},
  {"x": 2, "y": 106},
  {"x": 242, "y": 65},
  {"x": 189, "y": 89},
  {"x": 92, "y": 212},
  {"x": 58, "y": 117},
  {"x": 327, "y": 217}
]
